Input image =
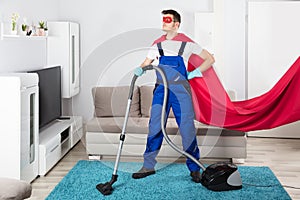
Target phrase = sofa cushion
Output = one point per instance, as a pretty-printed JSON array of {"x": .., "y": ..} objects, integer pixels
[
  {"x": 105, "y": 124},
  {"x": 172, "y": 128},
  {"x": 141, "y": 125},
  {"x": 146, "y": 93},
  {"x": 112, "y": 101},
  {"x": 14, "y": 189},
  {"x": 137, "y": 125}
]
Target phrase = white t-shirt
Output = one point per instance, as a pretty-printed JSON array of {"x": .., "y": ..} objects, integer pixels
[{"x": 171, "y": 48}]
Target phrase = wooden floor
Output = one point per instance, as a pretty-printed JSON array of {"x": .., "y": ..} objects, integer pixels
[{"x": 281, "y": 155}]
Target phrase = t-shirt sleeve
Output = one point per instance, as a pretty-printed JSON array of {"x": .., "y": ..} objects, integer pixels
[
  {"x": 192, "y": 48},
  {"x": 195, "y": 48}
]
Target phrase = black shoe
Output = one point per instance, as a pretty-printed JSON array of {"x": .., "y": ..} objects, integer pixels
[
  {"x": 196, "y": 176},
  {"x": 142, "y": 173}
]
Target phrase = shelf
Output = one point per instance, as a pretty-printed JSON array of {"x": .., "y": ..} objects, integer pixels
[
  {"x": 53, "y": 129},
  {"x": 13, "y": 37},
  {"x": 56, "y": 140}
]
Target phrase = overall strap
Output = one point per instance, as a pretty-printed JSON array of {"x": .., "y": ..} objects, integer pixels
[
  {"x": 161, "y": 51},
  {"x": 181, "y": 50}
]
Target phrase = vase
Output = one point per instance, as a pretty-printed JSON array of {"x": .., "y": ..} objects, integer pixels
[
  {"x": 13, "y": 32},
  {"x": 23, "y": 33},
  {"x": 41, "y": 32}
]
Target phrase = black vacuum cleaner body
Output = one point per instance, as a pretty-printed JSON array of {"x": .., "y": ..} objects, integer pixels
[
  {"x": 221, "y": 177},
  {"x": 216, "y": 177}
]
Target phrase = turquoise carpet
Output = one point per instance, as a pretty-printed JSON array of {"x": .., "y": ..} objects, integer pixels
[{"x": 171, "y": 181}]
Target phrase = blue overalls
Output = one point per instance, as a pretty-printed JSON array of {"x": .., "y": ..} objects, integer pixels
[{"x": 179, "y": 98}]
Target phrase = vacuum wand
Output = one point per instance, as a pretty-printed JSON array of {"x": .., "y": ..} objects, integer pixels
[{"x": 106, "y": 188}]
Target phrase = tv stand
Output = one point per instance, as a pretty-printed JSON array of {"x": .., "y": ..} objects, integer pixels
[
  {"x": 64, "y": 118},
  {"x": 56, "y": 140}
]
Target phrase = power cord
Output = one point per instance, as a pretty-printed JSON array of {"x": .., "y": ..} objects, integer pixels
[
  {"x": 276, "y": 185},
  {"x": 291, "y": 187},
  {"x": 261, "y": 185}
]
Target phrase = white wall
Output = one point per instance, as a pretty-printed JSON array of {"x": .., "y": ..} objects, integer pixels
[
  {"x": 33, "y": 10},
  {"x": 100, "y": 20},
  {"x": 222, "y": 32},
  {"x": 234, "y": 74},
  {"x": 273, "y": 43},
  {"x": 19, "y": 54}
]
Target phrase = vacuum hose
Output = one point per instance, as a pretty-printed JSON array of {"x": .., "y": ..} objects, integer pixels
[
  {"x": 216, "y": 177},
  {"x": 163, "y": 115}
]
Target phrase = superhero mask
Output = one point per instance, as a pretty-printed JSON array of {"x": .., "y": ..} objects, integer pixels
[{"x": 167, "y": 19}]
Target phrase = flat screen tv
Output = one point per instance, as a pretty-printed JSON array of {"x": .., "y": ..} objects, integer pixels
[{"x": 49, "y": 94}]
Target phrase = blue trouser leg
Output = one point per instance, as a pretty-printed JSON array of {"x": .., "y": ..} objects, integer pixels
[
  {"x": 182, "y": 106},
  {"x": 155, "y": 135},
  {"x": 183, "y": 110}
]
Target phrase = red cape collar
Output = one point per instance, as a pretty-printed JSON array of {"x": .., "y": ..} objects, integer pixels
[{"x": 180, "y": 37}]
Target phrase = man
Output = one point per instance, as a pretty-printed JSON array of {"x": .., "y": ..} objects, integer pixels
[{"x": 171, "y": 49}]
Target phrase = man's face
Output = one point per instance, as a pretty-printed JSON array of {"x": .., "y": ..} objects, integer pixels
[{"x": 169, "y": 24}]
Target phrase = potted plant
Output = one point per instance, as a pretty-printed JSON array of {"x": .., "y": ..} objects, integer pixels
[
  {"x": 24, "y": 29},
  {"x": 14, "y": 18},
  {"x": 41, "y": 29}
]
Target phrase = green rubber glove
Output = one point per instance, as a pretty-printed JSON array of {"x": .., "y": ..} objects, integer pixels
[
  {"x": 195, "y": 73},
  {"x": 139, "y": 71}
]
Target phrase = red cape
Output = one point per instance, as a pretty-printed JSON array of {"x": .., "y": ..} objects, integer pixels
[
  {"x": 212, "y": 105},
  {"x": 179, "y": 37}
]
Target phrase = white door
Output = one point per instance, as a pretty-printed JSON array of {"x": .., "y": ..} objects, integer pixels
[{"x": 29, "y": 133}]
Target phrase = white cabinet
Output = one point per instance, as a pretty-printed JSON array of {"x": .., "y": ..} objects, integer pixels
[
  {"x": 63, "y": 49},
  {"x": 19, "y": 126},
  {"x": 56, "y": 140},
  {"x": 1, "y": 31}
]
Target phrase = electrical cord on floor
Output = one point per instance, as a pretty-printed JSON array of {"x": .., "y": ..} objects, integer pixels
[
  {"x": 261, "y": 185},
  {"x": 285, "y": 186},
  {"x": 291, "y": 187}
]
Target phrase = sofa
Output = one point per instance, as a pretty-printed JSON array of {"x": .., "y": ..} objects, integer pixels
[
  {"x": 103, "y": 130},
  {"x": 13, "y": 189}
]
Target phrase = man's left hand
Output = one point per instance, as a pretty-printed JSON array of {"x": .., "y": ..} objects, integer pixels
[{"x": 194, "y": 73}]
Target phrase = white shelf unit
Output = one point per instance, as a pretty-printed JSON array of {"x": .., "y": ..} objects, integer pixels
[
  {"x": 19, "y": 135},
  {"x": 63, "y": 49},
  {"x": 56, "y": 140}
]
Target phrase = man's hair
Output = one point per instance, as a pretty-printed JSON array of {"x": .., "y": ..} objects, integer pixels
[{"x": 176, "y": 15}]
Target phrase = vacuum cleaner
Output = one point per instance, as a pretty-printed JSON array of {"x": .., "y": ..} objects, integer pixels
[{"x": 220, "y": 176}]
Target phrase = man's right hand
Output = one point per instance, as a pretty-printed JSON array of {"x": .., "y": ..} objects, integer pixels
[{"x": 139, "y": 71}]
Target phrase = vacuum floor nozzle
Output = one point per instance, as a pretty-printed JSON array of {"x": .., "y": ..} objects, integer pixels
[
  {"x": 221, "y": 177},
  {"x": 105, "y": 189}
]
